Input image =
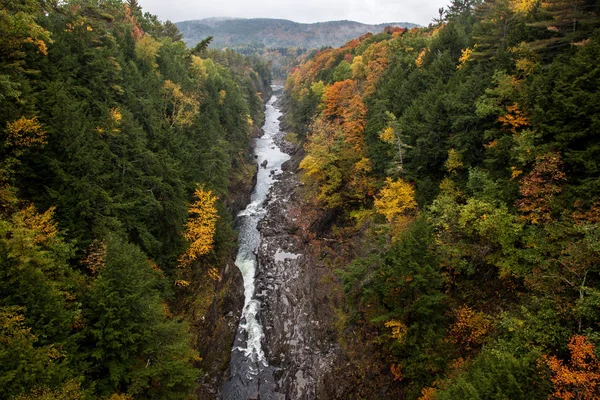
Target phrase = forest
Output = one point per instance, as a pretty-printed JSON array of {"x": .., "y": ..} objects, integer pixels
[
  {"x": 453, "y": 186},
  {"x": 450, "y": 197},
  {"x": 119, "y": 148}
]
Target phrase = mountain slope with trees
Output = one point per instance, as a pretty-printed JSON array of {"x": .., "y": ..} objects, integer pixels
[
  {"x": 452, "y": 191},
  {"x": 236, "y": 32},
  {"x": 119, "y": 147}
]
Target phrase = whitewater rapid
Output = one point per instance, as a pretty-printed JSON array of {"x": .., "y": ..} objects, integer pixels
[{"x": 248, "y": 359}]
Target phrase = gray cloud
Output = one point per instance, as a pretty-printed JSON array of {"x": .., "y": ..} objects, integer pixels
[{"x": 367, "y": 11}]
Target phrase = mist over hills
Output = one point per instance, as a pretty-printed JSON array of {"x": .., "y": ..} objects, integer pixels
[{"x": 233, "y": 32}]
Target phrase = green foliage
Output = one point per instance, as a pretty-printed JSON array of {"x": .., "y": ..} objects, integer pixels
[
  {"x": 129, "y": 343},
  {"x": 24, "y": 364},
  {"x": 342, "y": 72},
  {"x": 498, "y": 374}
]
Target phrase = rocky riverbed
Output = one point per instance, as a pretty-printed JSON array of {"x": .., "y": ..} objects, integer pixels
[{"x": 297, "y": 341}]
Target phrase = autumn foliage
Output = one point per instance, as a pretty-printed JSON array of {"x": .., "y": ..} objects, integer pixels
[
  {"x": 396, "y": 199},
  {"x": 470, "y": 328},
  {"x": 579, "y": 377},
  {"x": 201, "y": 225},
  {"x": 540, "y": 186}
]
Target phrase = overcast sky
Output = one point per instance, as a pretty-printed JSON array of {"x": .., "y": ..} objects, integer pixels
[{"x": 366, "y": 11}]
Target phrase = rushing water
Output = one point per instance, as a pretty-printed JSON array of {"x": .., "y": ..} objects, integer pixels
[{"x": 251, "y": 376}]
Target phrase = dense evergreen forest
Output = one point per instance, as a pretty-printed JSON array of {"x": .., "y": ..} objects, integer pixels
[
  {"x": 118, "y": 151},
  {"x": 453, "y": 191}
]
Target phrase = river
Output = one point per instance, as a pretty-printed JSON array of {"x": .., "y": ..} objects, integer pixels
[{"x": 251, "y": 375}]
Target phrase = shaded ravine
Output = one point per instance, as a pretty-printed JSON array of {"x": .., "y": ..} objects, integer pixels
[{"x": 283, "y": 347}]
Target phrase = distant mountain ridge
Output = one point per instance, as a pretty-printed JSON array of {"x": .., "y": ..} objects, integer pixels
[{"x": 235, "y": 32}]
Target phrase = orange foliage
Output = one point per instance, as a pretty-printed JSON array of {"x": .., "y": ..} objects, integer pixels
[
  {"x": 428, "y": 393},
  {"x": 591, "y": 216},
  {"x": 539, "y": 187},
  {"x": 470, "y": 328},
  {"x": 376, "y": 63},
  {"x": 343, "y": 104},
  {"x": 580, "y": 377},
  {"x": 95, "y": 257},
  {"x": 396, "y": 370},
  {"x": 136, "y": 32},
  {"x": 514, "y": 118}
]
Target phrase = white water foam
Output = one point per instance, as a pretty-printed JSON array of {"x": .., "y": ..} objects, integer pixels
[{"x": 249, "y": 238}]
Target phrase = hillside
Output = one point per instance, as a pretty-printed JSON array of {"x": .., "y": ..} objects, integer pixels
[
  {"x": 451, "y": 186},
  {"x": 111, "y": 134},
  {"x": 276, "y": 32}
]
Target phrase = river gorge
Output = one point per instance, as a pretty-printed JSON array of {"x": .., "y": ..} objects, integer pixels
[{"x": 278, "y": 352}]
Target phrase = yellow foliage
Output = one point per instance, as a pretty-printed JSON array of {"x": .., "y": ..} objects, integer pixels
[
  {"x": 113, "y": 122},
  {"x": 525, "y": 65},
  {"x": 115, "y": 115},
  {"x": 387, "y": 135},
  {"x": 120, "y": 396},
  {"x": 40, "y": 44},
  {"x": 200, "y": 228},
  {"x": 358, "y": 68},
  {"x": 464, "y": 57},
  {"x": 222, "y": 96},
  {"x": 420, "y": 57},
  {"x": 25, "y": 132},
  {"x": 449, "y": 188},
  {"x": 515, "y": 172},
  {"x": 213, "y": 274},
  {"x": 146, "y": 49},
  {"x": 318, "y": 88},
  {"x": 523, "y": 6},
  {"x": 321, "y": 162},
  {"x": 454, "y": 161},
  {"x": 71, "y": 390},
  {"x": 360, "y": 184},
  {"x": 184, "y": 107},
  {"x": 396, "y": 199},
  {"x": 399, "y": 330},
  {"x": 197, "y": 67},
  {"x": 41, "y": 225}
]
